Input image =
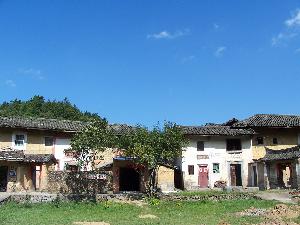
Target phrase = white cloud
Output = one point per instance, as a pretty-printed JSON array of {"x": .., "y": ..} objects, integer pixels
[
  {"x": 294, "y": 21},
  {"x": 220, "y": 51},
  {"x": 168, "y": 35},
  {"x": 34, "y": 73},
  {"x": 290, "y": 31},
  {"x": 10, "y": 83},
  {"x": 282, "y": 38}
]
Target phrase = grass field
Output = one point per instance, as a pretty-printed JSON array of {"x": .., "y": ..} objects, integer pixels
[{"x": 172, "y": 213}]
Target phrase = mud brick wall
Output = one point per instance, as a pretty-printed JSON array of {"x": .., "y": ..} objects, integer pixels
[{"x": 90, "y": 182}]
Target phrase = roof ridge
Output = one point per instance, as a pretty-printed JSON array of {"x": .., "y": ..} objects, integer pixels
[
  {"x": 41, "y": 118},
  {"x": 273, "y": 114}
]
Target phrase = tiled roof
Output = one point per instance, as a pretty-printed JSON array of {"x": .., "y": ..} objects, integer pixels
[
  {"x": 39, "y": 158},
  {"x": 55, "y": 124},
  {"x": 283, "y": 154},
  {"x": 215, "y": 130},
  {"x": 41, "y": 123},
  {"x": 9, "y": 154},
  {"x": 270, "y": 120}
]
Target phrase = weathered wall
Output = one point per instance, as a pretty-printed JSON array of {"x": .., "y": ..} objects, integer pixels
[
  {"x": 165, "y": 179},
  {"x": 286, "y": 138},
  {"x": 18, "y": 177},
  {"x": 5, "y": 138},
  {"x": 105, "y": 157},
  {"x": 79, "y": 182}
]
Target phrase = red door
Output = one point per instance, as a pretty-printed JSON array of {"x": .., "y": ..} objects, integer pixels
[{"x": 203, "y": 176}]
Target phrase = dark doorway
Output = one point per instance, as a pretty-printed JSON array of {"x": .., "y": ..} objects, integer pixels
[
  {"x": 236, "y": 174},
  {"x": 178, "y": 179},
  {"x": 129, "y": 180},
  {"x": 3, "y": 178},
  {"x": 284, "y": 177},
  {"x": 254, "y": 176}
]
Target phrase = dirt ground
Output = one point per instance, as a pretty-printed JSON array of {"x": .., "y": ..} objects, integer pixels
[{"x": 281, "y": 214}]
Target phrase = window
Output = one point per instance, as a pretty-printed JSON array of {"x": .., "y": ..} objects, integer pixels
[
  {"x": 260, "y": 140},
  {"x": 200, "y": 145},
  {"x": 191, "y": 169},
  {"x": 275, "y": 141},
  {"x": 233, "y": 144},
  {"x": 216, "y": 168},
  {"x": 71, "y": 167},
  {"x": 48, "y": 141},
  {"x": 19, "y": 140}
]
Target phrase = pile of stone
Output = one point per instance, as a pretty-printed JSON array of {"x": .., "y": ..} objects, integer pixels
[{"x": 252, "y": 212}]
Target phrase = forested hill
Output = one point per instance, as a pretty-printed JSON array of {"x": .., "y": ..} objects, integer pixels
[{"x": 37, "y": 106}]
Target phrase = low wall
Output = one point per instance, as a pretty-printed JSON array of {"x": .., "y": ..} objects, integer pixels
[
  {"x": 90, "y": 182},
  {"x": 209, "y": 197}
]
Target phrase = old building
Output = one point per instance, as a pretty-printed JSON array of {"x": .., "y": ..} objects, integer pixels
[
  {"x": 30, "y": 148},
  {"x": 275, "y": 149},
  {"x": 216, "y": 154}
]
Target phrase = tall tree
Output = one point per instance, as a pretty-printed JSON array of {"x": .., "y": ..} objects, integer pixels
[{"x": 153, "y": 148}]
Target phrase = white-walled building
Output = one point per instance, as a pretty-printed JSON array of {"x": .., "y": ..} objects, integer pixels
[{"x": 216, "y": 153}]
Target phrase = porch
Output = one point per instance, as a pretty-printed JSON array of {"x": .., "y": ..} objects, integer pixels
[
  {"x": 23, "y": 172},
  {"x": 279, "y": 169}
]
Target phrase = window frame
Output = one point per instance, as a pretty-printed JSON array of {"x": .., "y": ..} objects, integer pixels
[
  {"x": 239, "y": 148},
  {"x": 14, "y": 139},
  {"x": 191, "y": 169},
  {"x": 218, "y": 171},
  {"x": 46, "y": 142},
  {"x": 202, "y": 145}
]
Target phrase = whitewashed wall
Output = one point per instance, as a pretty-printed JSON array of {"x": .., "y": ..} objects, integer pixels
[
  {"x": 61, "y": 144},
  {"x": 215, "y": 149}
]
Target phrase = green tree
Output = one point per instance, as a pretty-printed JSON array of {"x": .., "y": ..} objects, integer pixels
[
  {"x": 159, "y": 146},
  {"x": 94, "y": 138},
  {"x": 37, "y": 106},
  {"x": 150, "y": 148}
]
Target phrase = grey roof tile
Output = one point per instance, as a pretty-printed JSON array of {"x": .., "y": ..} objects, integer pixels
[
  {"x": 217, "y": 130},
  {"x": 55, "y": 124},
  {"x": 9, "y": 154},
  {"x": 41, "y": 123},
  {"x": 269, "y": 120}
]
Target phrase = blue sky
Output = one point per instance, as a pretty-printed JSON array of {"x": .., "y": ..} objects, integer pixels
[{"x": 139, "y": 61}]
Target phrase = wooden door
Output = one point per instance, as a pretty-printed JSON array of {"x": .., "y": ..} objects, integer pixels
[
  {"x": 233, "y": 175},
  {"x": 203, "y": 176}
]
